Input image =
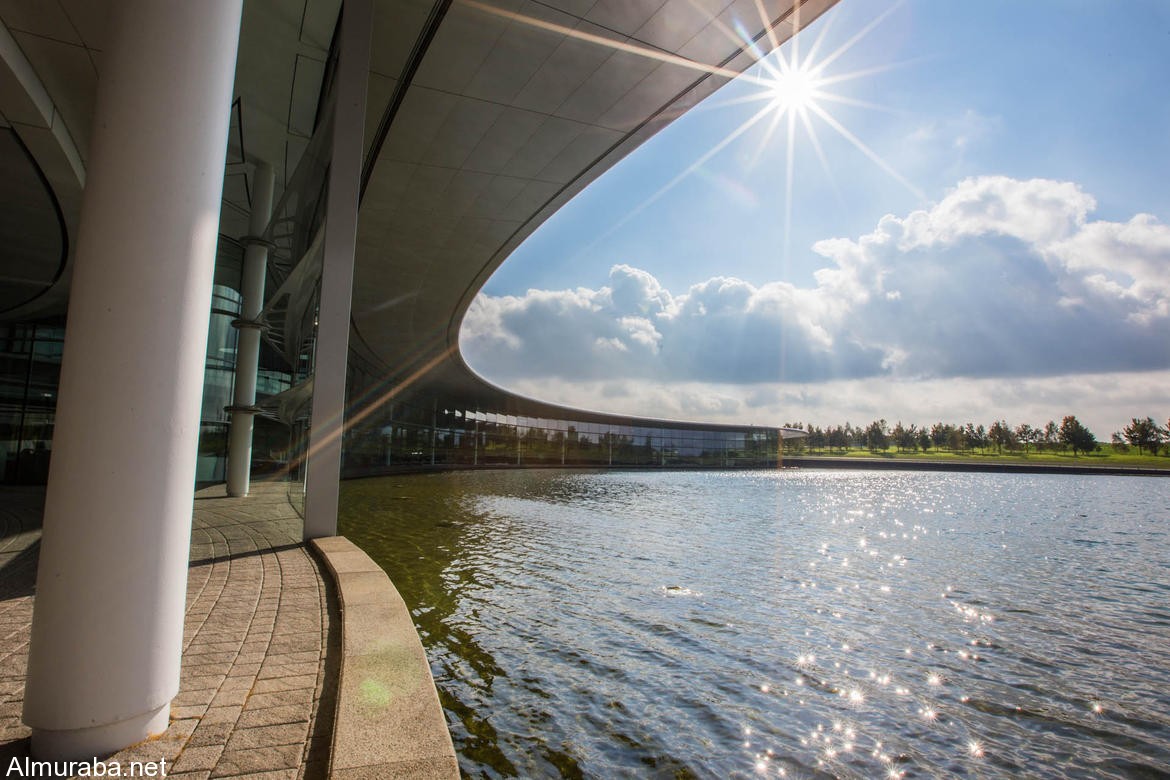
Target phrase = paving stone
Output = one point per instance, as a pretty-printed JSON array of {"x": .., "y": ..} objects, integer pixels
[
  {"x": 259, "y": 701},
  {"x": 228, "y": 714},
  {"x": 214, "y": 733},
  {"x": 241, "y": 762},
  {"x": 255, "y": 630},
  {"x": 202, "y": 774},
  {"x": 271, "y": 684},
  {"x": 191, "y": 697},
  {"x": 241, "y": 669},
  {"x": 235, "y": 682},
  {"x": 193, "y": 758},
  {"x": 274, "y": 716},
  {"x": 188, "y": 710},
  {"x": 227, "y": 697},
  {"x": 267, "y": 736}
]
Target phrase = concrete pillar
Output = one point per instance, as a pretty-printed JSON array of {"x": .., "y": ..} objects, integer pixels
[
  {"x": 248, "y": 346},
  {"x": 111, "y": 588},
  {"x": 323, "y": 468}
]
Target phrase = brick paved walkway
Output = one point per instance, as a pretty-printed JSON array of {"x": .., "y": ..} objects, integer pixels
[{"x": 261, "y": 642}]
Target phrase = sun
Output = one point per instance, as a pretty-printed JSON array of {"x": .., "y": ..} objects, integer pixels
[{"x": 796, "y": 89}]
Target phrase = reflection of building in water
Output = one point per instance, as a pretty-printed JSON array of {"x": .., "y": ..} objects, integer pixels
[{"x": 365, "y": 196}]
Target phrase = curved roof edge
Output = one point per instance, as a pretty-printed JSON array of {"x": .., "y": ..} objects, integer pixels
[{"x": 491, "y": 122}]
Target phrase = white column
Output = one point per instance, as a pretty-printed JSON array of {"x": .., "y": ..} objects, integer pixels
[
  {"x": 248, "y": 345},
  {"x": 111, "y": 588},
  {"x": 323, "y": 469}
]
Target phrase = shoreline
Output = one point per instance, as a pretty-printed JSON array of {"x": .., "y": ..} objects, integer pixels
[
  {"x": 794, "y": 461},
  {"x": 1015, "y": 467}
]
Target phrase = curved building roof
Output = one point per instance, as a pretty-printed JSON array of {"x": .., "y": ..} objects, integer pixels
[
  {"x": 484, "y": 117},
  {"x": 493, "y": 115}
]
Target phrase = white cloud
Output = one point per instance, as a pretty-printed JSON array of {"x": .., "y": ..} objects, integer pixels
[
  {"x": 1122, "y": 261},
  {"x": 1037, "y": 212},
  {"x": 1002, "y": 278}
]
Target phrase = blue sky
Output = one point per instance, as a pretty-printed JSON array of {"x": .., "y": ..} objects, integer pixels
[{"x": 1005, "y": 256}]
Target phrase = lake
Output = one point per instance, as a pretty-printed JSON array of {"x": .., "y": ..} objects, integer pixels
[{"x": 792, "y": 623}]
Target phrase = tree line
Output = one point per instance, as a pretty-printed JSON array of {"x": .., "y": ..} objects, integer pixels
[{"x": 1070, "y": 434}]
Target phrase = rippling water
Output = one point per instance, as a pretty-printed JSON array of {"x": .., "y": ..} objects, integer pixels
[{"x": 786, "y": 624}]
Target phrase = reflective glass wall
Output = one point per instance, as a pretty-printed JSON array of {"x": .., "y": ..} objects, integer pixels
[
  {"x": 30, "y": 368},
  {"x": 411, "y": 434},
  {"x": 218, "y": 384}
]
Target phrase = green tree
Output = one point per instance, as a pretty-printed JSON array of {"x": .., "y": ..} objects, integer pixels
[
  {"x": 1000, "y": 435},
  {"x": 1076, "y": 436},
  {"x": 1051, "y": 434},
  {"x": 976, "y": 436},
  {"x": 1026, "y": 434},
  {"x": 875, "y": 436},
  {"x": 838, "y": 439},
  {"x": 939, "y": 433},
  {"x": 899, "y": 434},
  {"x": 1143, "y": 434}
]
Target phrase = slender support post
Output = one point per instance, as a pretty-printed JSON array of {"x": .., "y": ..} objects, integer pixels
[
  {"x": 434, "y": 426},
  {"x": 107, "y": 629},
  {"x": 390, "y": 438},
  {"x": 328, "y": 415},
  {"x": 475, "y": 451},
  {"x": 248, "y": 344}
]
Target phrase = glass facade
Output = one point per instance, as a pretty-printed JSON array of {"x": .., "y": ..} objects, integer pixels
[
  {"x": 218, "y": 384},
  {"x": 30, "y": 367},
  {"x": 414, "y": 434}
]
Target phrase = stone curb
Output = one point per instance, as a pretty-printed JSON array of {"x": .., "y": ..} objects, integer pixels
[{"x": 389, "y": 723}]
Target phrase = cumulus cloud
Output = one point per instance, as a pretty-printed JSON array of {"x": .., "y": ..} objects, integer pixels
[{"x": 1002, "y": 278}]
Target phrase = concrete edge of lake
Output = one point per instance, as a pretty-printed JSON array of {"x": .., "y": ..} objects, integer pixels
[
  {"x": 1013, "y": 467},
  {"x": 389, "y": 722},
  {"x": 795, "y": 461}
]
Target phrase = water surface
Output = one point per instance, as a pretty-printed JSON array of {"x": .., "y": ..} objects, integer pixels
[{"x": 786, "y": 623}]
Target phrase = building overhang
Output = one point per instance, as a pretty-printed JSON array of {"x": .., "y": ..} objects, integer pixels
[
  {"x": 483, "y": 122},
  {"x": 484, "y": 118}
]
